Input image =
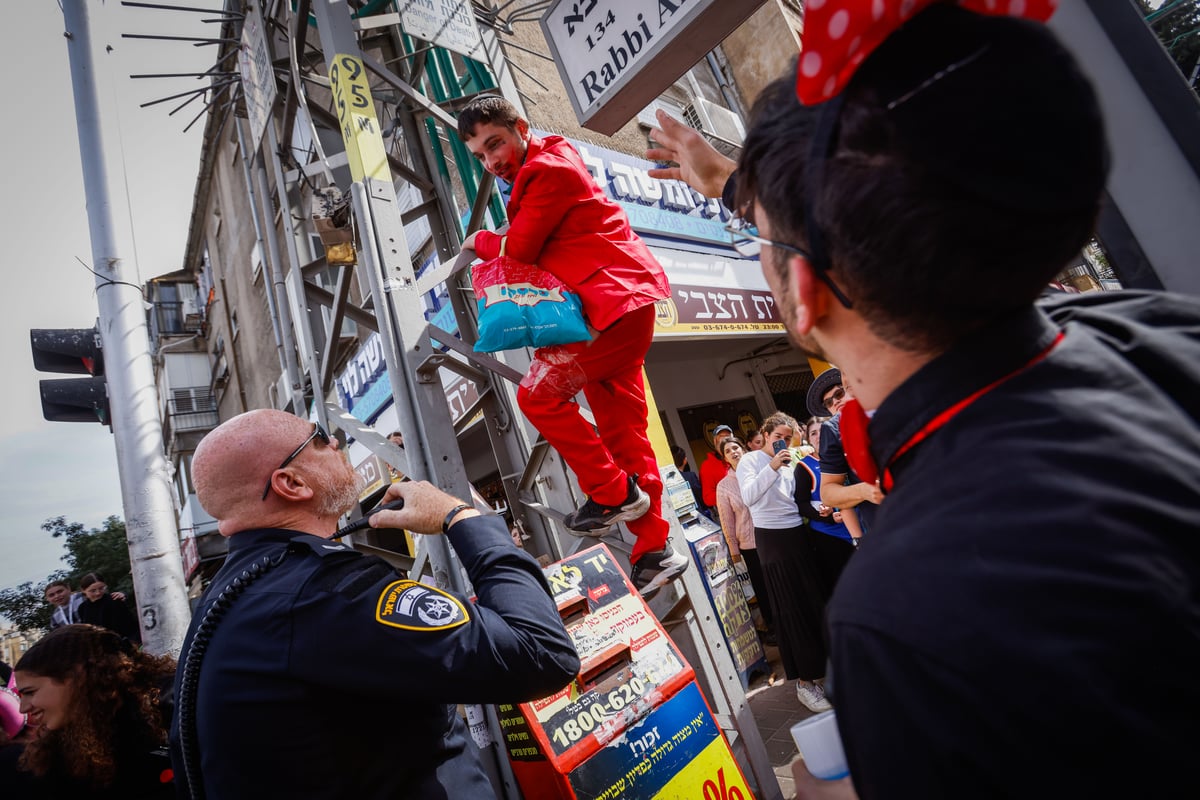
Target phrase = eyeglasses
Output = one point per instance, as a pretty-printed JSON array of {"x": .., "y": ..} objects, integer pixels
[
  {"x": 317, "y": 433},
  {"x": 836, "y": 396},
  {"x": 743, "y": 235}
]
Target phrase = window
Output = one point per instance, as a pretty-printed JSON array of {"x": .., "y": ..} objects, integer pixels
[{"x": 192, "y": 408}]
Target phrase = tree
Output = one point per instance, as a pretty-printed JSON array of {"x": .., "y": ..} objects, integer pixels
[
  {"x": 1176, "y": 23},
  {"x": 26, "y": 607},
  {"x": 104, "y": 550}
]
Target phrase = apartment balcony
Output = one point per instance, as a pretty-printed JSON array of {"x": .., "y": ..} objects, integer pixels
[
  {"x": 174, "y": 319},
  {"x": 190, "y": 409}
]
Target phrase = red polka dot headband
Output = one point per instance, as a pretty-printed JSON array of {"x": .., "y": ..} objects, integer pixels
[{"x": 840, "y": 34}]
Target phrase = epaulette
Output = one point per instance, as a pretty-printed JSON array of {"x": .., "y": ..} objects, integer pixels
[{"x": 306, "y": 543}]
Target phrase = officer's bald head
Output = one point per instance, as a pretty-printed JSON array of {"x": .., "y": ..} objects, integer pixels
[{"x": 234, "y": 461}]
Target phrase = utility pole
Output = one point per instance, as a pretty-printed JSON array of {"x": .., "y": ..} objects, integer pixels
[{"x": 145, "y": 484}]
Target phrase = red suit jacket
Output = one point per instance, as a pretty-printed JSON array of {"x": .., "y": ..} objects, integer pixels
[
  {"x": 561, "y": 220},
  {"x": 711, "y": 472}
]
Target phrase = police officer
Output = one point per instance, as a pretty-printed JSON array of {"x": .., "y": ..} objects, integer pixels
[{"x": 323, "y": 673}]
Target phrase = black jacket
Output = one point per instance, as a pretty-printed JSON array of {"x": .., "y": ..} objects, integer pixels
[
  {"x": 113, "y": 614},
  {"x": 1025, "y": 618}
]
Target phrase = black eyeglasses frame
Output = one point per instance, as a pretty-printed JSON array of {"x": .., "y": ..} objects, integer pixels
[{"x": 317, "y": 433}]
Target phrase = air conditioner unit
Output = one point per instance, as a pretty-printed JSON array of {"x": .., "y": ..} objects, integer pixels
[
  {"x": 646, "y": 115},
  {"x": 714, "y": 120},
  {"x": 192, "y": 318},
  {"x": 220, "y": 375},
  {"x": 190, "y": 311}
]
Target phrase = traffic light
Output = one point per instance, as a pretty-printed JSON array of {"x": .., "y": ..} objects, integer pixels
[{"x": 71, "y": 350}]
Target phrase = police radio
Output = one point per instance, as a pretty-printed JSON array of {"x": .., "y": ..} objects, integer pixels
[{"x": 365, "y": 522}]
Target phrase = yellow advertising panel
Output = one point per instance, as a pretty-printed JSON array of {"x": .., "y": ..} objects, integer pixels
[
  {"x": 356, "y": 116},
  {"x": 712, "y": 775}
]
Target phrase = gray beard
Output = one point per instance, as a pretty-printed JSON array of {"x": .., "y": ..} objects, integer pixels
[{"x": 340, "y": 498}]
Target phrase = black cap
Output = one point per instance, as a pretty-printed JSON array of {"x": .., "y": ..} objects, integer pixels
[{"x": 820, "y": 385}]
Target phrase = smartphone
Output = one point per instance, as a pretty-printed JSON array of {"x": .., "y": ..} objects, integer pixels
[{"x": 779, "y": 445}]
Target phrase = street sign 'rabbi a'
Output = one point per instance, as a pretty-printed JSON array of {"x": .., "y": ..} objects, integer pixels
[{"x": 615, "y": 56}]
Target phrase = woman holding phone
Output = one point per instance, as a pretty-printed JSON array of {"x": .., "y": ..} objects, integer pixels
[{"x": 768, "y": 480}]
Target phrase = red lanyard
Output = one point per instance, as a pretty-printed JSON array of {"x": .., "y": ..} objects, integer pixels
[{"x": 857, "y": 441}]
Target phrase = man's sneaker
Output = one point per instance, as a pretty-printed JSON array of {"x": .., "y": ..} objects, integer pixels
[
  {"x": 812, "y": 696},
  {"x": 654, "y": 570},
  {"x": 592, "y": 517}
]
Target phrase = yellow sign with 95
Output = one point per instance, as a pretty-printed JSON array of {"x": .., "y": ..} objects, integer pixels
[{"x": 357, "y": 118}]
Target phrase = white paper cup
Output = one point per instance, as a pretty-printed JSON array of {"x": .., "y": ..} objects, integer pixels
[{"x": 820, "y": 745}]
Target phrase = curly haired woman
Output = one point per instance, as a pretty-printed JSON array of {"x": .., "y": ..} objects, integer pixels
[{"x": 102, "y": 712}]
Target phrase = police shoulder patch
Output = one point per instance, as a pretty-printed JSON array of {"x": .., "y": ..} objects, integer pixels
[{"x": 414, "y": 606}]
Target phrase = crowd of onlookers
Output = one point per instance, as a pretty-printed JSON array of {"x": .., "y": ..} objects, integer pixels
[
  {"x": 85, "y": 712},
  {"x": 793, "y": 511},
  {"x": 93, "y": 604}
]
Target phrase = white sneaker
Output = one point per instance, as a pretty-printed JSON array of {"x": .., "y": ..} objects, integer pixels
[
  {"x": 593, "y": 519},
  {"x": 655, "y": 570},
  {"x": 812, "y": 696}
]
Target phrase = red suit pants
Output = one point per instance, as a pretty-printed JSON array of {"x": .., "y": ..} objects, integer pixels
[{"x": 608, "y": 370}]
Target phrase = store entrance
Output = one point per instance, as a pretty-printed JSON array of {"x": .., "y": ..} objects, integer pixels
[
  {"x": 790, "y": 390},
  {"x": 699, "y": 421}
]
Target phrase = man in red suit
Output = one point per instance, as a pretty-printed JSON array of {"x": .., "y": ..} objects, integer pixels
[
  {"x": 560, "y": 220},
  {"x": 714, "y": 467}
]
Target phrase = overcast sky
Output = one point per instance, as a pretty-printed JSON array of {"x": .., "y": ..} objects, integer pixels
[{"x": 53, "y": 468}]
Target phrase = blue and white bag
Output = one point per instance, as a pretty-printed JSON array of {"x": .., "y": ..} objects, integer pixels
[{"x": 521, "y": 305}]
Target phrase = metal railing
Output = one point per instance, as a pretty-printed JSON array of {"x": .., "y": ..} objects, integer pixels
[
  {"x": 191, "y": 409},
  {"x": 168, "y": 318}
]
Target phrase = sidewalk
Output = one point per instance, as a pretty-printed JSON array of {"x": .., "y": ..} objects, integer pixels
[{"x": 776, "y": 709}]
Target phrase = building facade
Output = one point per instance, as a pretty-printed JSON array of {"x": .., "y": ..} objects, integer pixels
[{"x": 260, "y": 317}]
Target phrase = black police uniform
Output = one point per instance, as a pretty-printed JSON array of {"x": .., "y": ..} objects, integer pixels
[
  {"x": 333, "y": 676},
  {"x": 1025, "y": 619}
]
